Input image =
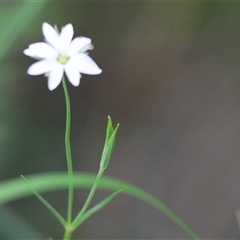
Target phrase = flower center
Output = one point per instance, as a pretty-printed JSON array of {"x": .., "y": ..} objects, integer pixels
[{"x": 62, "y": 59}]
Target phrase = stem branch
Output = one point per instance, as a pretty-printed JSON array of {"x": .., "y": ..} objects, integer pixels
[{"x": 89, "y": 199}]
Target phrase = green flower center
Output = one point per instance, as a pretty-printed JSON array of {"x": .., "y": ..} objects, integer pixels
[{"x": 62, "y": 59}]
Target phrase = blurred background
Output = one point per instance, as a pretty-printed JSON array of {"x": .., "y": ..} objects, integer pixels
[{"x": 171, "y": 78}]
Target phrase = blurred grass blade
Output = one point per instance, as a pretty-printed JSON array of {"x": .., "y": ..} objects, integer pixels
[
  {"x": 237, "y": 213},
  {"x": 96, "y": 208},
  {"x": 15, "y": 21},
  {"x": 15, "y": 189}
]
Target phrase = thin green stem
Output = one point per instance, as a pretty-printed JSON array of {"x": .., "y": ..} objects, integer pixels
[
  {"x": 68, "y": 151},
  {"x": 90, "y": 196},
  {"x": 68, "y": 233}
]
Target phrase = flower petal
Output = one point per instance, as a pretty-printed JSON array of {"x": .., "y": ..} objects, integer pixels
[
  {"x": 85, "y": 64},
  {"x": 51, "y": 35},
  {"x": 55, "y": 77},
  {"x": 78, "y": 44},
  {"x": 41, "y": 67},
  {"x": 41, "y": 50},
  {"x": 29, "y": 52},
  {"x": 72, "y": 73},
  {"x": 66, "y": 36}
]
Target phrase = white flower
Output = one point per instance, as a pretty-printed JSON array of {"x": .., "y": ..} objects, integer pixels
[{"x": 60, "y": 54}]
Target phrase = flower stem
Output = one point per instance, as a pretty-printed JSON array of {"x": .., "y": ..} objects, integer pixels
[
  {"x": 68, "y": 233},
  {"x": 68, "y": 154},
  {"x": 89, "y": 199}
]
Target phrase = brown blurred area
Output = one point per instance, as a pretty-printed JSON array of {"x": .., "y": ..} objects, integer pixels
[{"x": 171, "y": 79}]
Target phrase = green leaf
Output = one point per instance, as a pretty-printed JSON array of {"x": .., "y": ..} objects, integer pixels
[
  {"x": 96, "y": 208},
  {"x": 14, "y": 189},
  {"x": 45, "y": 203}
]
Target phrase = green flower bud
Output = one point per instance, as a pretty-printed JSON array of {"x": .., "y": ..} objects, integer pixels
[{"x": 109, "y": 144}]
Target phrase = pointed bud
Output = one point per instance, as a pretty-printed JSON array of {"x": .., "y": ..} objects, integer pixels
[{"x": 109, "y": 144}]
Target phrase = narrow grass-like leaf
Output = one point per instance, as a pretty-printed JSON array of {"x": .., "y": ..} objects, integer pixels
[
  {"x": 45, "y": 203},
  {"x": 15, "y": 189},
  {"x": 96, "y": 208},
  {"x": 237, "y": 213}
]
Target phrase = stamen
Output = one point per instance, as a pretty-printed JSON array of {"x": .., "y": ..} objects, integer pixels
[
  {"x": 91, "y": 47},
  {"x": 62, "y": 59}
]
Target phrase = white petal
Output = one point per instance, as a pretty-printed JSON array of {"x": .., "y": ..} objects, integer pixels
[
  {"x": 77, "y": 44},
  {"x": 51, "y": 35},
  {"x": 41, "y": 67},
  {"x": 85, "y": 64},
  {"x": 41, "y": 50},
  {"x": 72, "y": 73},
  {"x": 66, "y": 36},
  {"x": 55, "y": 77},
  {"x": 29, "y": 52}
]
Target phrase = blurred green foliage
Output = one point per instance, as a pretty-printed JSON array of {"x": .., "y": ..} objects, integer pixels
[{"x": 170, "y": 76}]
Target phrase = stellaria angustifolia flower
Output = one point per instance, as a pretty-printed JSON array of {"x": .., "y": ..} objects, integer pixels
[{"x": 60, "y": 54}]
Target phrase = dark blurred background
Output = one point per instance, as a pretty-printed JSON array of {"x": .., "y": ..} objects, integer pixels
[{"x": 170, "y": 77}]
